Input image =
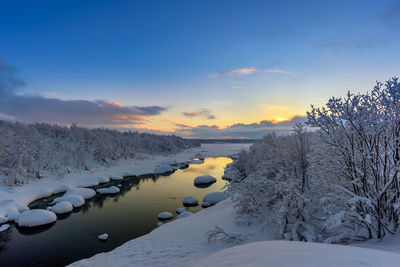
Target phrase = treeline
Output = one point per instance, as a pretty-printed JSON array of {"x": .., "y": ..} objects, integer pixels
[
  {"x": 30, "y": 150},
  {"x": 336, "y": 183}
]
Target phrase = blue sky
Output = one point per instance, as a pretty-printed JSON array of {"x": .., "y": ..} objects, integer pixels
[{"x": 221, "y": 62}]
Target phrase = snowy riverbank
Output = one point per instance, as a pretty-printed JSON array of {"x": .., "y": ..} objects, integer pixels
[{"x": 15, "y": 199}]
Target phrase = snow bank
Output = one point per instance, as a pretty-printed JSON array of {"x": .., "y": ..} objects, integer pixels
[
  {"x": 164, "y": 215},
  {"x": 291, "y": 253},
  {"x": 103, "y": 237},
  {"x": 160, "y": 169},
  {"x": 4, "y": 227},
  {"x": 109, "y": 190},
  {"x": 61, "y": 207},
  {"x": 204, "y": 180},
  {"x": 86, "y": 193},
  {"x": 76, "y": 200},
  {"x": 183, "y": 215},
  {"x": 215, "y": 197},
  {"x": 180, "y": 210},
  {"x": 116, "y": 178},
  {"x": 190, "y": 201},
  {"x": 36, "y": 217}
]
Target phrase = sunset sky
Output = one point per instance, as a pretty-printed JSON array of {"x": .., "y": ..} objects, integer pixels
[{"x": 195, "y": 68}]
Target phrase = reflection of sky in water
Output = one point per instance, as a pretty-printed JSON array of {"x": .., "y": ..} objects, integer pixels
[{"x": 127, "y": 215}]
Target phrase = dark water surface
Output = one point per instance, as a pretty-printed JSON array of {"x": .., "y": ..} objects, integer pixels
[{"x": 129, "y": 214}]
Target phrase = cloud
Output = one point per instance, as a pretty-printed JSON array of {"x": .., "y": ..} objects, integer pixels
[
  {"x": 246, "y": 71},
  {"x": 35, "y": 108},
  {"x": 241, "y": 130},
  {"x": 226, "y": 103},
  {"x": 203, "y": 112}
]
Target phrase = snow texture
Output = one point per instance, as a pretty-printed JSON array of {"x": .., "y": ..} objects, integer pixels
[
  {"x": 215, "y": 197},
  {"x": 184, "y": 214},
  {"x": 180, "y": 210},
  {"x": 103, "y": 237},
  {"x": 61, "y": 207},
  {"x": 36, "y": 217},
  {"x": 190, "y": 201},
  {"x": 204, "y": 179},
  {"x": 76, "y": 200},
  {"x": 164, "y": 215},
  {"x": 109, "y": 190}
]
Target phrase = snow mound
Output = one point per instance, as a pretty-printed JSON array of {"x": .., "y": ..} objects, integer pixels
[
  {"x": 86, "y": 193},
  {"x": 116, "y": 178},
  {"x": 291, "y": 253},
  {"x": 204, "y": 179},
  {"x": 36, "y": 217},
  {"x": 4, "y": 227},
  {"x": 215, "y": 197},
  {"x": 103, "y": 237},
  {"x": 164, "y": 215},
  {"x": 3, "y": 219},
  {"x": 109, "y": 190},
  {"x": 184, "y": 214},
  {"x": 206, "y": 204},
  {"x": 163, "y": 169},
  {"x": 190, "y": 201},
  {"x": 61, "y": 207},
  {"x": 76, "y": 200},
  {"x": 180, "y": 210}
]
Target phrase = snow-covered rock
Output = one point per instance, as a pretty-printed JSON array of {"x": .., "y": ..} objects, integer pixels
[
  {"x": 199, "y": 156},
  {"x": 163, "y": 169},
  {"x": 36, "y": 217},
  {"x": 164, "y": 215},
  {"x": 180, "y": 210},
  {"x": 292, "y": 253},
  {"x": 76, "y": 200},
  {"x": 196, "y": 161},
  {"x": 109, "y": 190},
  {"x": 103, "y": 237},
  {"x": 215, "y": 197},
  {"x": 116, "y": 178},
  {"x": 205, "y": 204},
  {"x": 204, "y": 180},
  {"x": 3, "y": 219},
  {"x": 190, "y": 200},
  {"x": 4, "y": 227},
  {"x": 61, "y": 207},
  {"x": 159, "y": 224},
  {"x": 182, "y": 165},
  {"x": 184, "y": 214},
  {"x": 86, "y": 193}
]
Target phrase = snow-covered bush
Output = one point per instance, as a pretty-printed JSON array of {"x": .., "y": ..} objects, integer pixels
[
  {"x": 339, "y": 182},
  {"x": 30, "y": 150}
]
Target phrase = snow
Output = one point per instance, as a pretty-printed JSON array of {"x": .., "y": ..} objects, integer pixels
[
  {"x": 291, "y": 253},
  {"x": 180, "y": 210},
  {"x": 190, "y": 200},
  {"x": 3, "y": 219},
  {"x": 61, "y": 207},
  {"x": 205, "y": 204},
  {"x": 164, "y": 215},
  {"x": 215, "y": 197},
  {"x": 116, "y": 178},
  {"x": 183, "y": 215},
  {"x": 163, "y": 169},
  {"x": 4, "y": 227},
  {"x": 159, "y": 224},
  {"x": 86, "y": 193},
  {"x": 76, "y": 200},
  {"x": 103, "y": 237},
  {"x": 36, "y": 217},
  {"x": 204, "y": 179},
  {"x": 109, "y": 190},
  {"x": 197, "y": 161}
]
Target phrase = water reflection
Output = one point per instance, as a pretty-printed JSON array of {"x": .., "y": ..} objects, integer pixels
[{"x": 129, "y": 214}]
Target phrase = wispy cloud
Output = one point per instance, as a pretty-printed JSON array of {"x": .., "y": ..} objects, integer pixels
[
  {"x": 246, "y": 71},
  {"x": 37, "y": 108},
  {"x": 203, "y": 112}
]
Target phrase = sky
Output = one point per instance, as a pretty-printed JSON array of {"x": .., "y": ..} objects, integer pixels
[{"x": 198, "y": 69}]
